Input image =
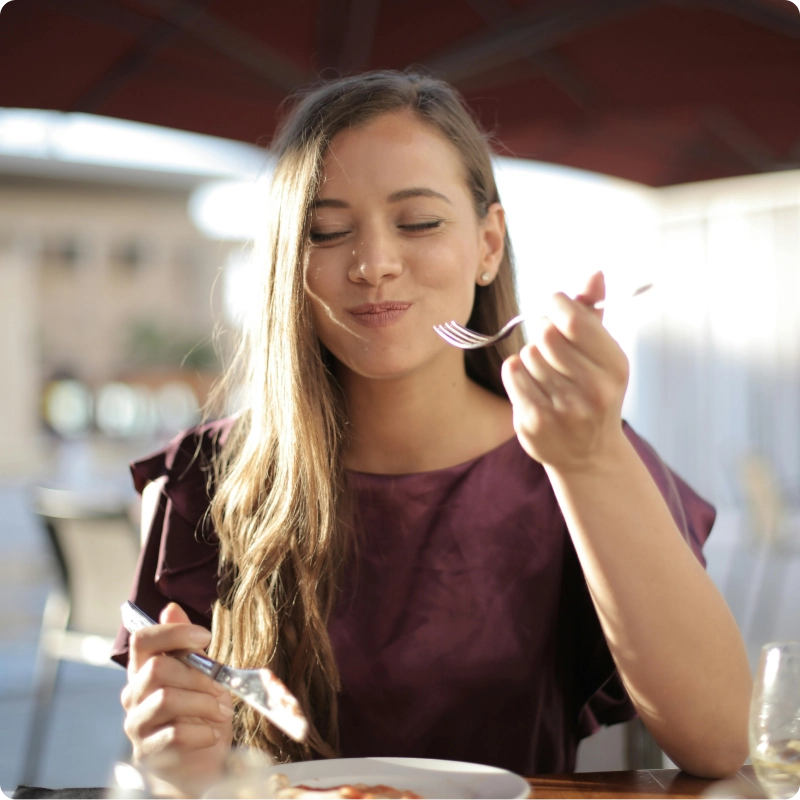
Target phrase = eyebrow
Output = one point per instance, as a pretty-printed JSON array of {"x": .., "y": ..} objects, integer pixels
[
  {"x": 394, "y": 197},
  {"x": 417, "y": 191}
]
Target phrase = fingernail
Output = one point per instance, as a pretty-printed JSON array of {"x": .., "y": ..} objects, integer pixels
[
  {"x": 226, "y": 710},
  {"x": 217, "y": 734}
]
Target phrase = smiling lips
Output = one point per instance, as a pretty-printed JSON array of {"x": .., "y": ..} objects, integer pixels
[{"x": 376, "y": 315}]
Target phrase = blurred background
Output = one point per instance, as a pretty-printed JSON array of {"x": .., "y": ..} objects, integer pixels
[{"x": 658, "y": 141}]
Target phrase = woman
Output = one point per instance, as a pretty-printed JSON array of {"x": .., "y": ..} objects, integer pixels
[{"x": 443, "y": 554}]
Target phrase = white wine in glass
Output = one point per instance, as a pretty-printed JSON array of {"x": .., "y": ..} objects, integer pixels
[{"x": 775, "y": 720}]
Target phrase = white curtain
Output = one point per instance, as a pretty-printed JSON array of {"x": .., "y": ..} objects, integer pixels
[{"x": 716, "y": 363}]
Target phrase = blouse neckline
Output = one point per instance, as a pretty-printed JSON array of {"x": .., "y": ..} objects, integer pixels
[{"x": 442, "y": 472}]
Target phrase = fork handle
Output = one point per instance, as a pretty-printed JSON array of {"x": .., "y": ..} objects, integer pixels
[
  {"x": 201, "y": 662},
  {"x": 134, "y": 619}
]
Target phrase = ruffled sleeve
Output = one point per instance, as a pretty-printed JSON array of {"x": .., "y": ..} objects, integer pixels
[
  {"x": 603, "y": 699},
  {"x": 180, "y": 556}
]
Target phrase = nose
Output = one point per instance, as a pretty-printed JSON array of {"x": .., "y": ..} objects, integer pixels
[{"x": 375, "y": 258}]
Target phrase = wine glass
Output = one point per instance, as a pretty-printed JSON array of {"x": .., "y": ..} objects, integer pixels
[
  {"x": 247, "y": 773},
  {"x": 774, "y": 730}
]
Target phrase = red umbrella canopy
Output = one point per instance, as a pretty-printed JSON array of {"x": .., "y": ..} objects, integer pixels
[{"x": 656, "y": 92}]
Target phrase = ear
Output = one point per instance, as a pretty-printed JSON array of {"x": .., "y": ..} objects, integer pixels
[{"x": 492, "y": 242}]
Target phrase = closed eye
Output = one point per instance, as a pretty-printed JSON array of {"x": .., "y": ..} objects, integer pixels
[
  {"x": 422, "y": 226},
  {"x": 317, "y": 237}
]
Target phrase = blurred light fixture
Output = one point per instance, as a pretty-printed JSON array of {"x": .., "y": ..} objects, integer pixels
[
  {"x": 231, "y": 210},
  {"x": 178, "y": 407},
  {"x": 92, "y": 139},
  {"x": 68, "y": 408},
  {"x": 125, "y": 411}
]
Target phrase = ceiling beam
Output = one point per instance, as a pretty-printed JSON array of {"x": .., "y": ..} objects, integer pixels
[
  {"x": 104, "y": 13},
  {"x": 743, "y": 141},
  {"x": 547, "y": 62},
  {"x": 698, "y": 150},
  {"x": 492, "y": 12},
  {"x": 360, "y": 34},
  {"x": 567, "y": 77},
  {"x": 330, "y": 33},
  {"x": 232, "y": 42},
  {"x": 128, "y": 66},
  {"x": 527, "y": 33},
  {"x": 768, "y": 16}
]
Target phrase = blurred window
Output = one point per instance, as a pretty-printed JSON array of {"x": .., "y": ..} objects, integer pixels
[
  {"x": 64, "y": 252},
  {"x": 131, "y": 255}
]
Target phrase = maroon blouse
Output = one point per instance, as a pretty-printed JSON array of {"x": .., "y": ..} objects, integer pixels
[{"x": 467, "y": 631}]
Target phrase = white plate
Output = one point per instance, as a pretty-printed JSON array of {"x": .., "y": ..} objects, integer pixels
[{"x": 428, "y": 777}]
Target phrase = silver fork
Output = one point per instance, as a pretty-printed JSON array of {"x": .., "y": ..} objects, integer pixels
[
  {"x": 259, "y": 688},
  {"x": 459, "y": 336}
]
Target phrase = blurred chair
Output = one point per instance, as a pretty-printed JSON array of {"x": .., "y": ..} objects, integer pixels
[
  {"x": 771, "y": 540},
  {"x": 763, "y": 498},
  {"x": 95, "y": 547}
]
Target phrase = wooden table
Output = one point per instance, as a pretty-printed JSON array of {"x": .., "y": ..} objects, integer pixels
[{"x": 645, "y": 783}]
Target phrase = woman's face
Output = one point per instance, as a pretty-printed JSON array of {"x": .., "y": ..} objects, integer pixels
[{"x": 395, "y": 246}]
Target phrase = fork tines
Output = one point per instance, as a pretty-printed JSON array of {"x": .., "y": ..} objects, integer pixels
[{"x": 457, "y": 335}]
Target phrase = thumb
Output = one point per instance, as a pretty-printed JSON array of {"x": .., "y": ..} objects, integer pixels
[
  {"x": 594, "y": 291},
  {"x": 173, "y": 613}
]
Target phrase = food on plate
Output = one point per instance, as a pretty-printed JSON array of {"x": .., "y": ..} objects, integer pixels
[{"x": 283, "y": 789}]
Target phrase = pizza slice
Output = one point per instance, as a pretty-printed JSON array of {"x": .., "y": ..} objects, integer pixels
[{"x": 283, "y": 790}]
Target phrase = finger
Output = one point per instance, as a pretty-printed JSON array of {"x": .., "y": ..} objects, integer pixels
[
  {"x": 172, "y": 612},
  {"x": 533, "y": 410},
  {"x": 162, "y": 670},
  {"x": 593, "y": 292},
  {"x": 562, "y": 354},
  {"x": 165, "y": 638},
  {"x": 564, "y": 395},
  {"x": 522, "y": 388},
  {"x": 182, "y": 737},
  {"x": 548, "y": 378},
  {"x": 168, "y": 705},
  {"x": 582, "y": 327}
]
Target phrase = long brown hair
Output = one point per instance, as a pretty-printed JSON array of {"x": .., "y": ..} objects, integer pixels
[{"x": 280, "y": 507}]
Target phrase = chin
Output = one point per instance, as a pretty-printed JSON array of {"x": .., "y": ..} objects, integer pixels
[
  {"x": 380, "y": 371},
  {"x": 384, "y": 365}
]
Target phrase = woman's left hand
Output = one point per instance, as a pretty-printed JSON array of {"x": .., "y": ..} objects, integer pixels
[{"x": 567, "y": 385}]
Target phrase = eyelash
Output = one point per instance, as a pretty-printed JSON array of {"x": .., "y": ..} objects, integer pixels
[
  {"x": 320, "y": 238},
  {"x": 423, "y": 226}
]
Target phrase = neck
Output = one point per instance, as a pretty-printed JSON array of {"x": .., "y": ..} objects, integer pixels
[{"x": 427, "y": 420}]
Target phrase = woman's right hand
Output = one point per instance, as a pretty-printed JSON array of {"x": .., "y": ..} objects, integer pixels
[{"x": 179, "y": 721}]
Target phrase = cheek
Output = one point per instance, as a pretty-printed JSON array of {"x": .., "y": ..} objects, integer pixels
[
  {"x": 317, "y": 277},
  {"x": 329, "y": 330},
  {"x": 441, "y": 264},
  {"x": 324, "y": 281},
  {"x": 450, "y": 278},
  {"x": 320, "y": 291},
  {"x": 325, "y": 289}
]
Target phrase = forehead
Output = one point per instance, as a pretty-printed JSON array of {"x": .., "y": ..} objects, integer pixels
[{"x": 394, "y": 150}]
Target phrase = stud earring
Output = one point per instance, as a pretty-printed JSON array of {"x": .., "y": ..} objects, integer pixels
[{"x": 486, "y": 277}]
